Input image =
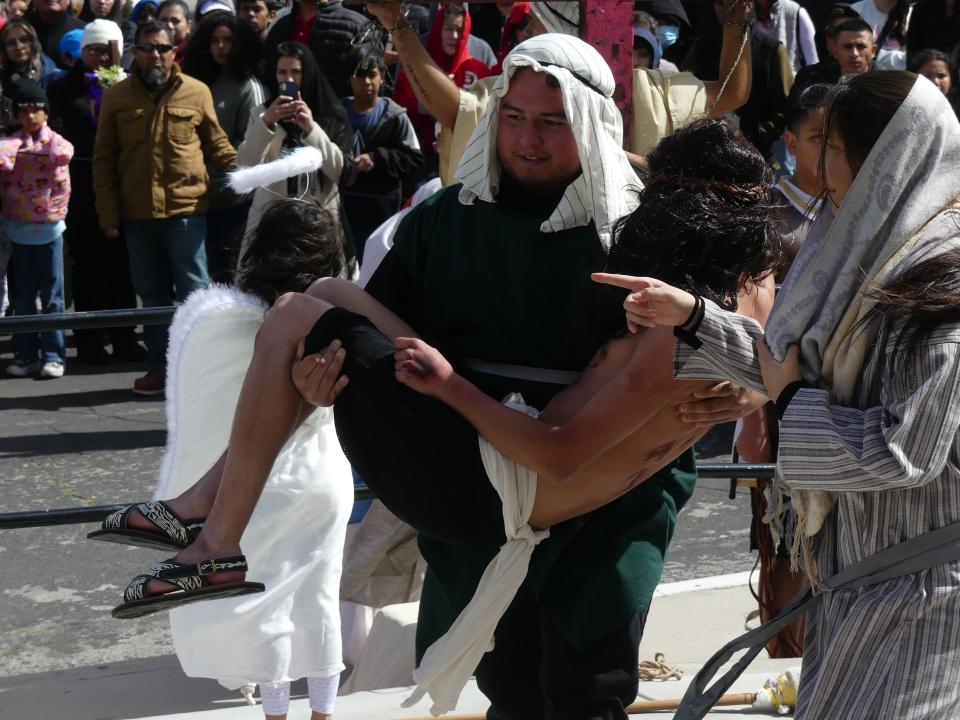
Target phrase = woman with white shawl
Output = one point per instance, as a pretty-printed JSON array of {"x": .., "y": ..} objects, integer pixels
[{"x": 861, "y": 355}]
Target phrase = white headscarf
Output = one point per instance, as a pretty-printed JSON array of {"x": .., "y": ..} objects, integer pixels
[
  {"x": 910, "y": 177},
  {"x": 558, "y": 16},
  {"x": 607, "y": 188},
  {"x": 912, "y": 173}
]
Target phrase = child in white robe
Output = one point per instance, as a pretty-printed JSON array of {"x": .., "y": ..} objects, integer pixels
[{"x": 294, "y": 543}]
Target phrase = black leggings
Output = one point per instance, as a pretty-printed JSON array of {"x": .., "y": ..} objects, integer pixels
[{"x": 420, "y": 457}]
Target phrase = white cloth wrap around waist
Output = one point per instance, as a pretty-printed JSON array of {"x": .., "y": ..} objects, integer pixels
[{"x": 451, "y": 660}]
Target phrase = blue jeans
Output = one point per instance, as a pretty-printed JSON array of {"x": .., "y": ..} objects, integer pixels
[
  {"x": 167, "y": 263},
  {"x": 39, "y": 272}
]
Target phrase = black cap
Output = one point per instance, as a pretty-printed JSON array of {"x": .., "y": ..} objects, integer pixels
[{"x": 27, "y": 92}]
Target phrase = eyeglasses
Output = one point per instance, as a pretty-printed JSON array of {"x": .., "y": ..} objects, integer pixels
[
  {"x": 17, "y": 42},
  {"x": 159, "y": 48}
]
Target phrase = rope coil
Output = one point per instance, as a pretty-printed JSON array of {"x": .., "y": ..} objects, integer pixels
[{"x": 657, "y": 669}]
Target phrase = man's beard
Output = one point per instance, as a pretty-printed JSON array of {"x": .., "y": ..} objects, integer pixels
[
  {"x": 535, "y": 189},
  {"x": 154, "y": 77}
]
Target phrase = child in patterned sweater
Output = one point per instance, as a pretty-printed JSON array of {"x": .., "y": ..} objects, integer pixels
[{"x": 35, "y": 190}]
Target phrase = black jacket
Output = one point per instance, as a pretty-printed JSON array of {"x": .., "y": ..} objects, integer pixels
[
  {"x": 761, "y": 118},
  {"x": 333, "y": 32},
  {"x": 376, "y": 195},
  {"x": 70, "y": 116},
  {"x": 50, "y": 35}
]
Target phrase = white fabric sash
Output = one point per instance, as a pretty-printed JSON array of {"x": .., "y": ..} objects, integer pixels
[{"x": 451, "y": 660}]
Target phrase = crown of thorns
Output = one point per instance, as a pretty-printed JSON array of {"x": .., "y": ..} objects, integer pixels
[{"x": 744, "y": 192}]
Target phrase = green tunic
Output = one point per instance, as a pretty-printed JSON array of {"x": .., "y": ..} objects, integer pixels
[{"x": 483, "y": 282}]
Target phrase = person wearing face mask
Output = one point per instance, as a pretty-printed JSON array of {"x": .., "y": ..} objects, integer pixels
[{"x": 673, "y": 27}]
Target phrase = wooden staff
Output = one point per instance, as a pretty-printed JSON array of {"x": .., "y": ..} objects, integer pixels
[{"x": 640, "y": 706}]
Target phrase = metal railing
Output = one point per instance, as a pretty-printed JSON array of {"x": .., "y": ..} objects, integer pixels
[
  {"x": 86, "y": 320},
  {"x": 159, "y": 316},
  {"x": 96, "y": 513}
]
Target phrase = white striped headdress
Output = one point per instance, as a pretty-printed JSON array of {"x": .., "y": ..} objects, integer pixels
[
  {"x": 607, "y": 187},
  {"x": 558, "y": 16}
]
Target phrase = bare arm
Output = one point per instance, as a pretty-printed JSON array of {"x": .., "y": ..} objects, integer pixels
[
  {"x": 555, "y": 452},
  {"x": 740, "y": 70},
  {"x": 437, "y": 92}
]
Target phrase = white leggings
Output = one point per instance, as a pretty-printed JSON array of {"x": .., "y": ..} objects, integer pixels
[{"x": 275, "y": 696}]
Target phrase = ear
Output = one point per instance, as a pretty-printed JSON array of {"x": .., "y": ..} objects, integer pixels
[{"x": 790, "y": 140}]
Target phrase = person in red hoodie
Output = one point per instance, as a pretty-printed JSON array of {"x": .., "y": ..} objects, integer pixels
[{"x": 447, "y": 45}]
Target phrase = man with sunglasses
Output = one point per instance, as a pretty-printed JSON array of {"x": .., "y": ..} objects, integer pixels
[{"x": 156, "y": 130}]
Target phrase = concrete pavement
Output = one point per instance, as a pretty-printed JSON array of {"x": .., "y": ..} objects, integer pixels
[{"x": 86, "y": 440}]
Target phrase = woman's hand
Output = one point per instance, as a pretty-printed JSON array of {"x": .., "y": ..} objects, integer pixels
[
  {"x": 652, "y": 302},
  {"x": 302, "y": 117},
  {"x": 280, "y": 110},
  {"x": 316, "y": 376},
  {"x": 723, "y": 402},
  {"x": 421, "y": 367},
  {"x": 777, "y": 375}
]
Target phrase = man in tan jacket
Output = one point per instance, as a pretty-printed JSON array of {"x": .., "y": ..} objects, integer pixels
[{"x": 157, "y": 129}]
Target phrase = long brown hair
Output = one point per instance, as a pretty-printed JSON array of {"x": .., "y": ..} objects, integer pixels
[
  {"x": 295, "y": 242},
  {"x": 35, "y": 63}
]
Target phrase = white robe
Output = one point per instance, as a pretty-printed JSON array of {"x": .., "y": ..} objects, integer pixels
[{"x": 294, "y": 542}]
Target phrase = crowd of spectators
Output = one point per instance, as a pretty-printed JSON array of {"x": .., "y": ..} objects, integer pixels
[{"x": 214, "y": 83}]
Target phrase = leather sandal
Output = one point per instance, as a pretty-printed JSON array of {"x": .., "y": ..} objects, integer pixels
[
  {"x": 192, "y": 581},
  {"x": 172, "y": 531}
]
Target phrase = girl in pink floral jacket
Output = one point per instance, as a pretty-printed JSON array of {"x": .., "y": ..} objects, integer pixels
[{"x": 35, "y": 191}]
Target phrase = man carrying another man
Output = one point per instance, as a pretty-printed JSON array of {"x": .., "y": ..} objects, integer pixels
[{"x": 535, "y": 211}]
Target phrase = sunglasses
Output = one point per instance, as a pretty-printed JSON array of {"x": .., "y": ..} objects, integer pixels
[{"x": 159, "y": 48}]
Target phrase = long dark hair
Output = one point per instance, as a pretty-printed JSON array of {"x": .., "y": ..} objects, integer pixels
[
  {"x": 328, "y": 111},
  {"x": 859, "y": 109},
  {"x": 921, "y": 298},
  {"x": 705, "y": 220},
  {"x": 295, "y": 242},
  {"x": 244, "y": 55},
  {"x": 896, "y": 25}
]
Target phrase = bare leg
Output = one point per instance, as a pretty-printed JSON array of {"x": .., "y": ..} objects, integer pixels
[
  {"x": 350, "y": 296},
  {"x": 268, "y": 411}
]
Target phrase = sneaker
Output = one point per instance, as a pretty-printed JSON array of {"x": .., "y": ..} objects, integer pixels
[
  {"x": 52, "y": 369},
  {"x": 153, "y": 383},
  {"x": 22, "y": 368}
]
